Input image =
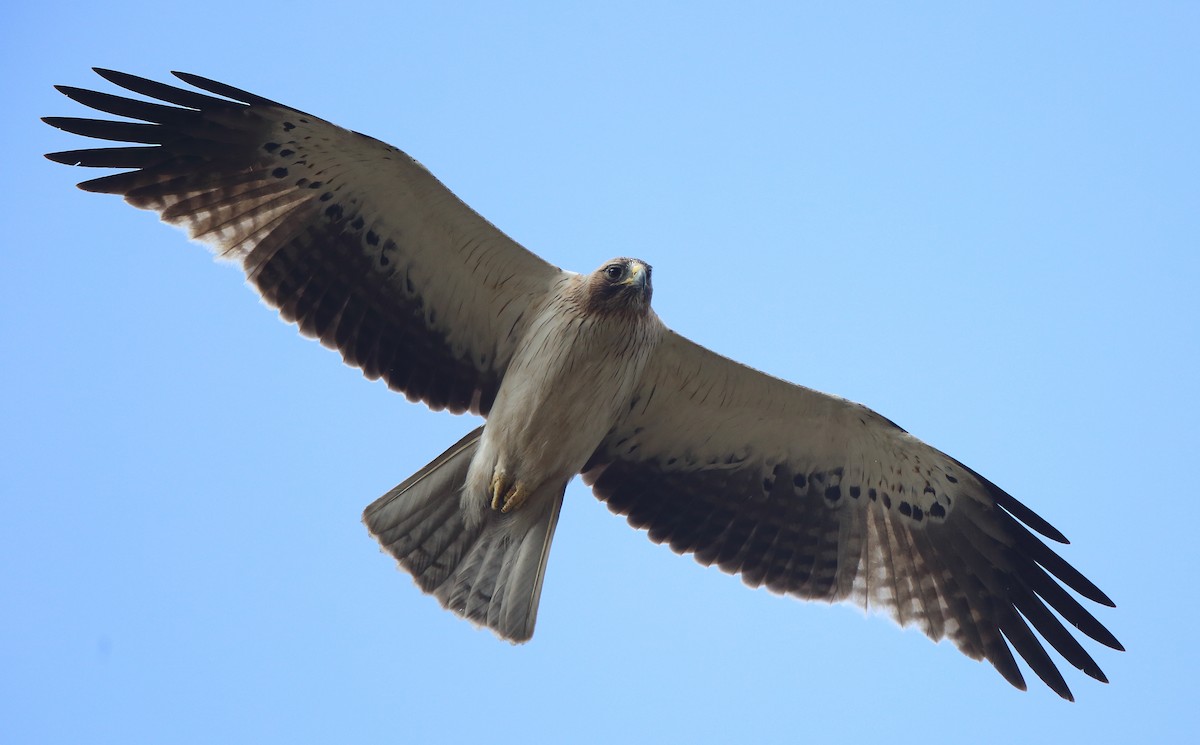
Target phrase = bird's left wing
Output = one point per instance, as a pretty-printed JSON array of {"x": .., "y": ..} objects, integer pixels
[
  {"x": 818, "y": 497},
  {"x": 349, "y": 237}
]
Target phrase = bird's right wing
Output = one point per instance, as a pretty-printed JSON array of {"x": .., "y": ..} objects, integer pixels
[
  {"x": 350, "y": 238},
  {"x": 818, "y": 497}
]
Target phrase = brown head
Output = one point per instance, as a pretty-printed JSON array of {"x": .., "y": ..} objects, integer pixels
[{"x": 619, "y": 286}]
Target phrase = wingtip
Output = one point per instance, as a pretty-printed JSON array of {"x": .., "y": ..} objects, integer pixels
[
  {"x": 65, "y": 157},
  {"x": 97, "y": 185},
  {"x": 112, "y": 76},
  {"x": 1018, "y": 509},
  {"x": 1055, "y": 681},
  {"x": 1034, "y": 520},
  {"x": 193, "y": 79},
  {"x": 124, "y": 79}
]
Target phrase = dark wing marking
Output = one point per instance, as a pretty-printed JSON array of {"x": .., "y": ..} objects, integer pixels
[
  {"x": 350, "y": 238},
  {"x": 821, "y": 498}
]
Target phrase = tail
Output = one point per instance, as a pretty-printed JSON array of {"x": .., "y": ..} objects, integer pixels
[{"x": 487, "y": 569}]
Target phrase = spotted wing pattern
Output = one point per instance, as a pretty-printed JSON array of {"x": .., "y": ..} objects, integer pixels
[
  {"x": 817, "y": 497},
  {"x": 350, "y": 238}
]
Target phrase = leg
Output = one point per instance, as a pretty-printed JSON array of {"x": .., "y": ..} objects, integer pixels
[{"x": 507, "y": 495}]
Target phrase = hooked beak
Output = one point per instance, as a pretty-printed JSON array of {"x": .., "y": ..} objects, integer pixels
[{"x": 639, "y": 276}]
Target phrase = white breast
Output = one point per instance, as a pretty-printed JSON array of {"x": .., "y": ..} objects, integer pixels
[{"x": 570, "y": 379}]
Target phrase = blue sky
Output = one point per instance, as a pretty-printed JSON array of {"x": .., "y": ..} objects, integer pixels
[{"x": 981, "y": 220}]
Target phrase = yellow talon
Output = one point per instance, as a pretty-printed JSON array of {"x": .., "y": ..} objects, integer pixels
[
  {"x": 497, "y": 489},
  {"x": 506, "y": 495},
  {"x": 514, "y": 499}
]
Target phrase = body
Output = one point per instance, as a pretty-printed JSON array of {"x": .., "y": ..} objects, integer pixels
[{"x": 548, "y": 418}]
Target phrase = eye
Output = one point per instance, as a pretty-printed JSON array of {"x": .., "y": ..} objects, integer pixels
[{"x": 614, "y": 271}]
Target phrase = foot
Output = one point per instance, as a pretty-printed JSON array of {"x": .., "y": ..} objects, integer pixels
[{"x": 506, "y": 495}]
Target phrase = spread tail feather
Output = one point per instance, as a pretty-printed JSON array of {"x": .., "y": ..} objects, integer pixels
[{"x": 487, "y": 567}]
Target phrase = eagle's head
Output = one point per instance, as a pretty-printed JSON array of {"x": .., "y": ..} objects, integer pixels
[{"x": 619, "y": 286}]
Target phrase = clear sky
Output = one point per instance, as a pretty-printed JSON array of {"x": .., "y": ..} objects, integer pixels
[{"x": 981, "y": 220}]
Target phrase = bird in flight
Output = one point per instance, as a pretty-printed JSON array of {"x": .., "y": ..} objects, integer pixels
[{"x": 804, "y": 493}]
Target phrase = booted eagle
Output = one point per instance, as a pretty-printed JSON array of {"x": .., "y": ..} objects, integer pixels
[{"x": 805, "y": 493}]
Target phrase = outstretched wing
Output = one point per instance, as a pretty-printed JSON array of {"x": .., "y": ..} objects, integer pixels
[
  {"x": 350, "y": 238},
  {"x": 815, "y": 496}
]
